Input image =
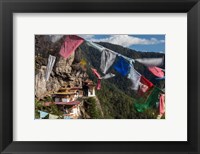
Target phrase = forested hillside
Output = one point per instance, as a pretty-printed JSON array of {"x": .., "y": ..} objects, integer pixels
[{"x": 116, "y": 97}]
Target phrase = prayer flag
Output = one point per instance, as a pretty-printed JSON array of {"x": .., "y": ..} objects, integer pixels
[
  {"x": 98, "y": 84},
  {"x": 147, "y": 101},
  {"x": 96, "y": 73},
  {"x": 51, "y": 61},
  {"x": 107, "y": 59},
  {"x": 107, "y": 76},
  {"x": 83, "y": 62},
  {"x": 122, "y": 66},
  {"x": 145, "y": 85},
  {"x": 156, "y": 71},
  {"x": 134, "y": 76},
  {"x": 151, "y": 61},
  {"x": 162, "y": 104},
  {"x": 67, "y": 117},
  {"x": 43, "y": 114},
  {"x": 99, "y": 78},
  {"x": 51, "y": 116},
  {"x": 69, "y": 46}
]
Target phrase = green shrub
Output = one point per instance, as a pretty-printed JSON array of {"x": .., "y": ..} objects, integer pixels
[{"x": 92, "y": 109}]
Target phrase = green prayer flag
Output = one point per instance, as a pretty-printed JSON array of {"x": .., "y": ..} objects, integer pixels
[{"x": 148, "y": 100}]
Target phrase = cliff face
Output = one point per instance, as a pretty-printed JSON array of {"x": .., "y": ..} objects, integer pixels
[{"x": 65, "y": 72}]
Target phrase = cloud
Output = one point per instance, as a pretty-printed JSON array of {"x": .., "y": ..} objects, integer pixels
[
  {"x": 87, "y": 36},
  {"x": 150, "y": 50},
  {"x": 126, "y": 40},
  {"x": 160, "y": 51}
]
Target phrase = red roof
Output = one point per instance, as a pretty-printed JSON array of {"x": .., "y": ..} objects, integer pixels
[{"x": 62, "y": 103}]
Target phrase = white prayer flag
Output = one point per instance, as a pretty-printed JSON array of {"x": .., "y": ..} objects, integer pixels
[
  {"x": 151, "y": 61},
  {"x": 107, "y": 76},
  {"x": 134, "y": 76},
  {"x": 51, "y": 116},
  {"x": 51, "y": 61},
  {"x": 107, "y": 59}
]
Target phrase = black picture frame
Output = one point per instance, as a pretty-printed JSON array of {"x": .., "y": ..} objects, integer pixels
[{"x": 8, "y": 7}]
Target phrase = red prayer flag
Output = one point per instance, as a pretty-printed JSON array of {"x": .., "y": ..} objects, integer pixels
[
  {"x": 156, "y": 71},
  {"x": 70, "y": 45},
  {"x": 99, "y": 84},
  {"x": 145, "y": 85},
  {"x": 162, "y": 104},
  {"x": 96, "y": 73},
  {"x": 98, "y": 77}
]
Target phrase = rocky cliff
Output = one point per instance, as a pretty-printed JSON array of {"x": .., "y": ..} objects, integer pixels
[{"x": 65, "y": 71}]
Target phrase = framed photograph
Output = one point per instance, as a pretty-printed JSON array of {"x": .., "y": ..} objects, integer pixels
[{"x": 99, "y": 76}]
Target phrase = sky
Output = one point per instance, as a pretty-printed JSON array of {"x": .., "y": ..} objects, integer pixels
[{"x": 144, "y": 43}]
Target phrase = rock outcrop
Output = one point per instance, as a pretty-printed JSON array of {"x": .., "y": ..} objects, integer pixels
[{"x": 65, "y": 71}]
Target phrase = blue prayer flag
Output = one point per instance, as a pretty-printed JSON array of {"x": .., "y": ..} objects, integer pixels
[
  {"x": 67, "y": 117},
  {"x": 122, "y": 66},
  {"x": 43, "y": 114}
]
